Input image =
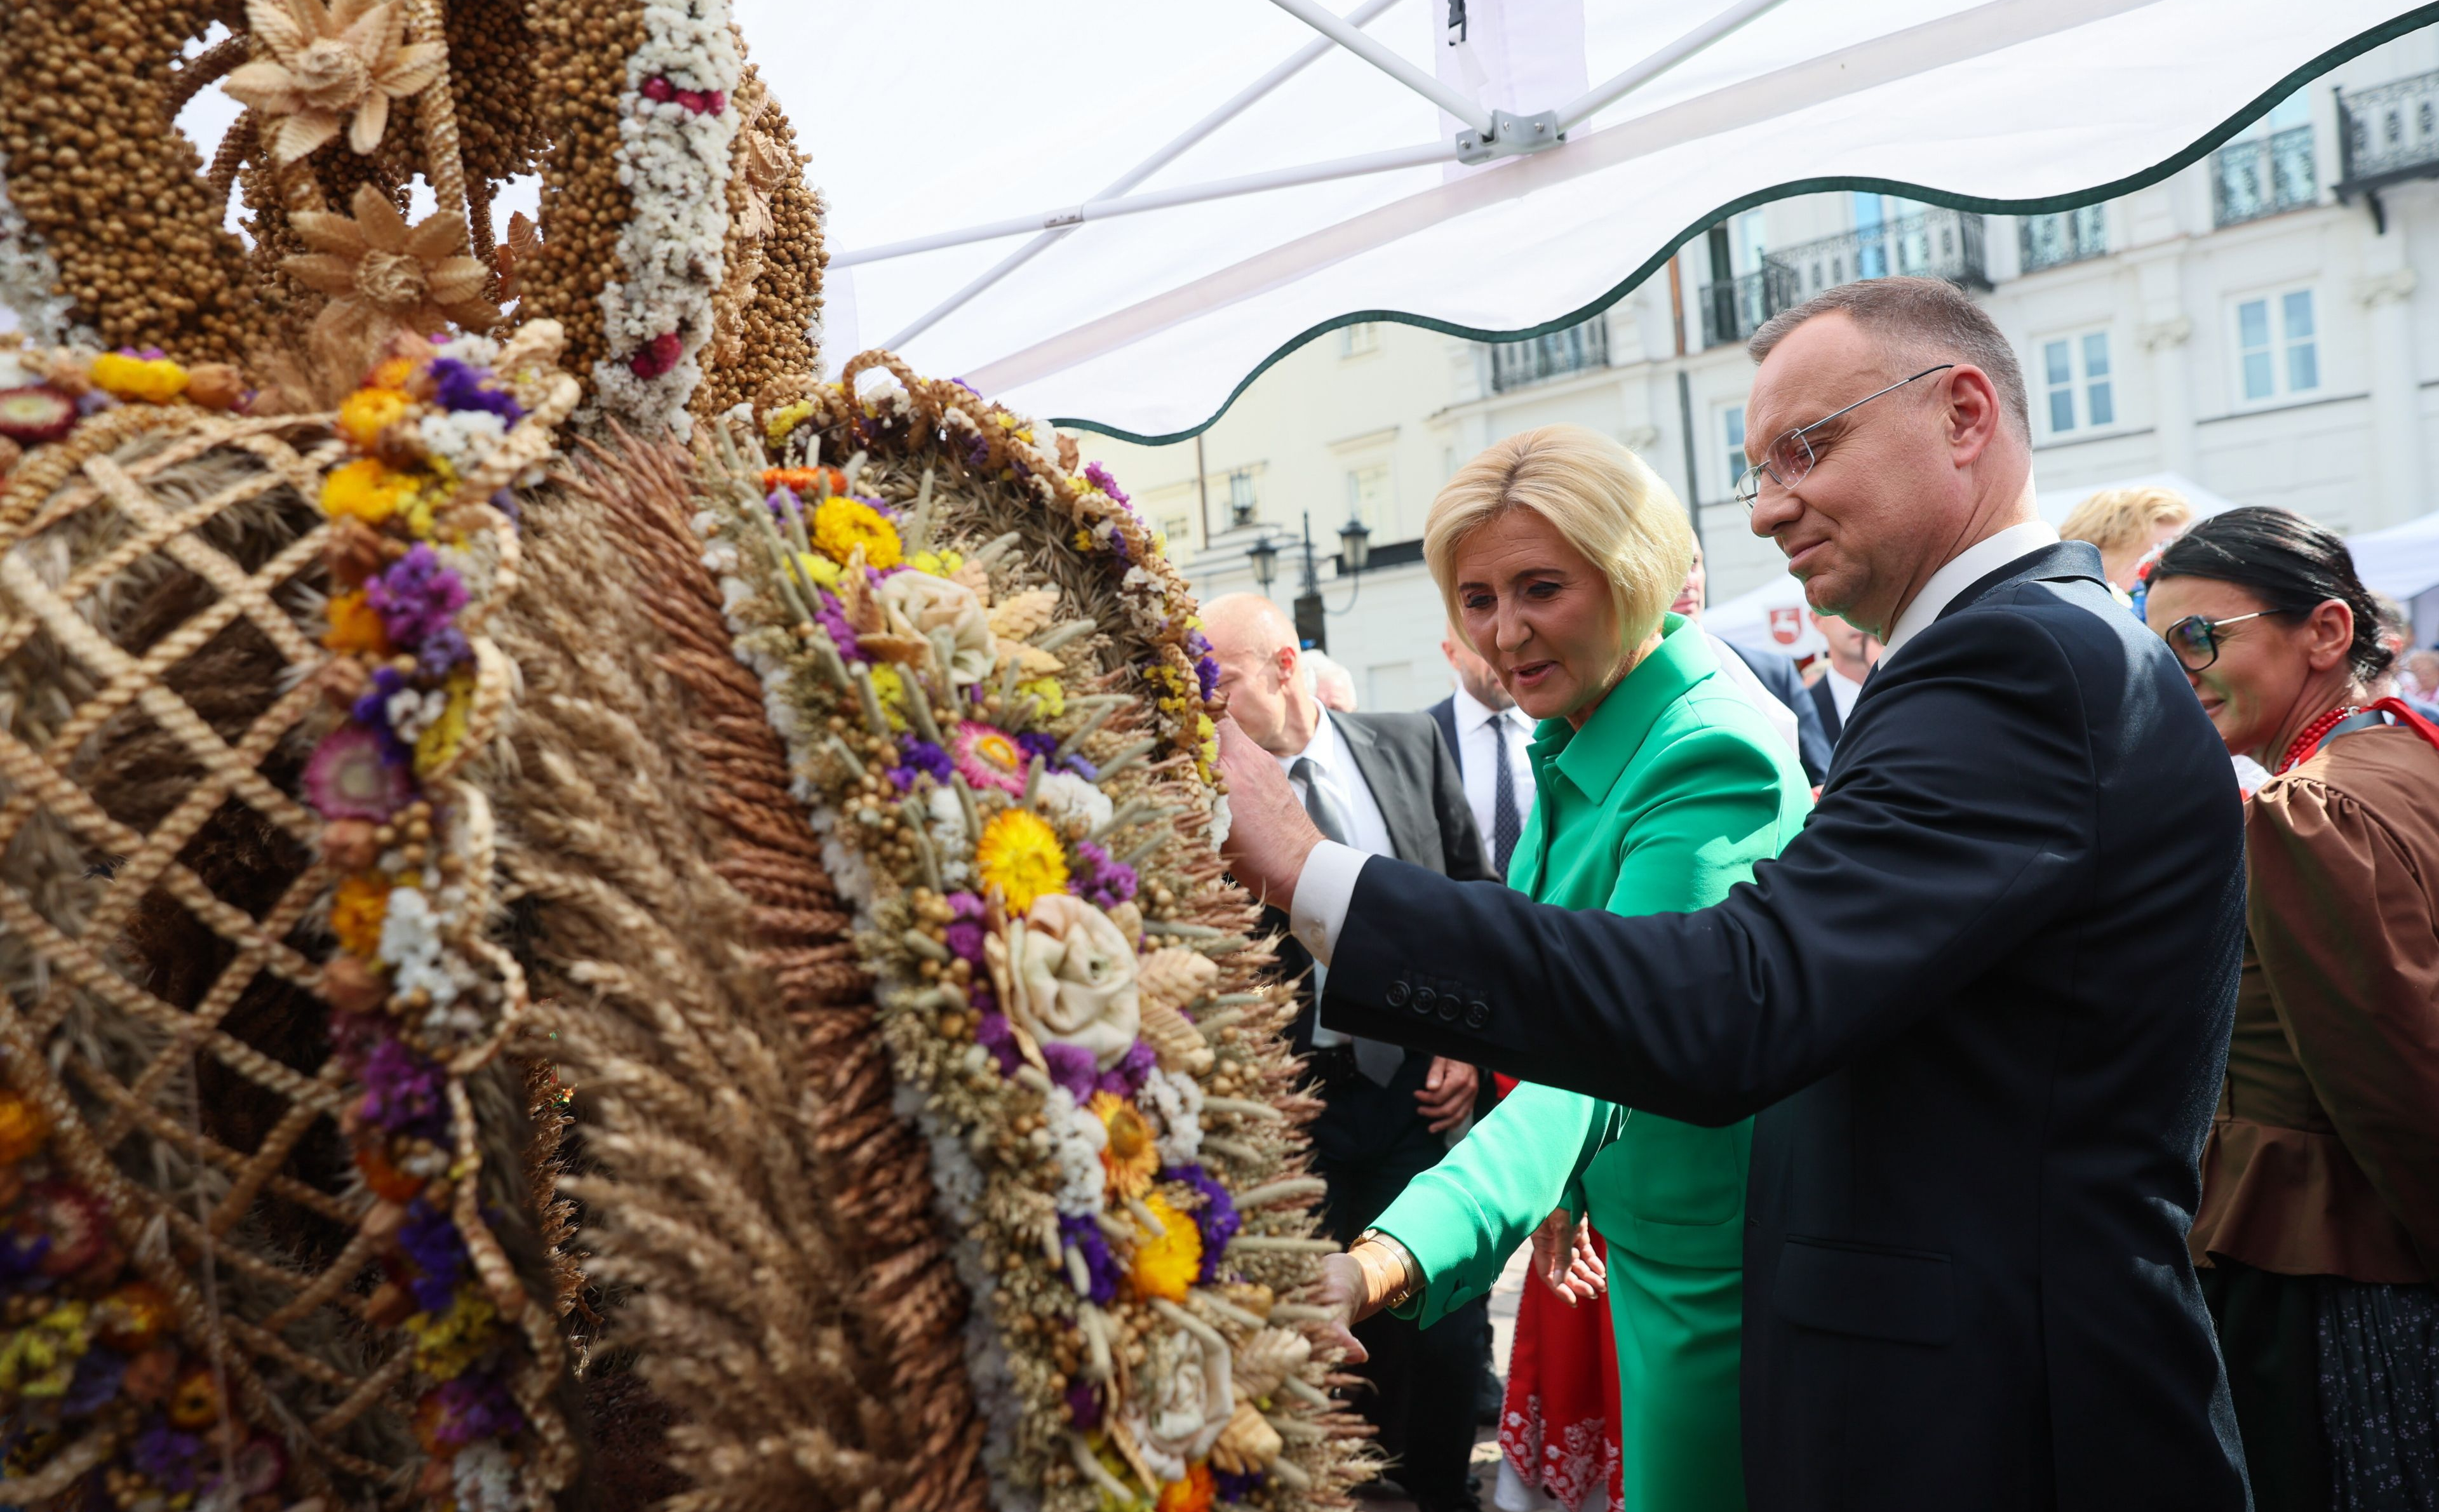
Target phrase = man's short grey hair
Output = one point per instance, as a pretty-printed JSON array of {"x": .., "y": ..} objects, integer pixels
[{"x": 1924, "y": 321}]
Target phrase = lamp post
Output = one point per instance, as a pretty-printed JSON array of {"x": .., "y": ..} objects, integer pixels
[
  {"x": 1263, "y": 555},
  {"x": 1354, "y": 554}
]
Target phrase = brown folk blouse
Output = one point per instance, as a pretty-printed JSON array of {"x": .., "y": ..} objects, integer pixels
[{"x": 2324, "y": 1158}]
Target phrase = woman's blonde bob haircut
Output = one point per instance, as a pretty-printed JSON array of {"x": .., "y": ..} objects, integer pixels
[{"x": 1600, "y": 497}]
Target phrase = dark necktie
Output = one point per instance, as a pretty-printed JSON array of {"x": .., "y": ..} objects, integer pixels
[
  {"x": 1376, "y": 1058},
  {"x": 1506, "y": 824}
]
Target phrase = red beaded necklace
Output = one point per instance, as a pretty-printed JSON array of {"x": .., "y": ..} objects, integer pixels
[{"x": 2309, "y": 739}]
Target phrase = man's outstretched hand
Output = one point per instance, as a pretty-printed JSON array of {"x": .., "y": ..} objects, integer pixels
[{"x": 1269, "y": 833}]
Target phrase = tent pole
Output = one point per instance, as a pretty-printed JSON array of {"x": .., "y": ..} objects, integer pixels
[
  {"x": 1296, "y": 62},
  {"x": 1379, "y": 56},
  {"x": 1602, "y": 96},
  {"x": 1693, "y": 473},
  {"x": 1075, "y": 215}
]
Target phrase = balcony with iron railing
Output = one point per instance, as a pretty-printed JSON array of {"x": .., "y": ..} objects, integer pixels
[
  {"x": 2264, "y": 175},
  {"x": 1931, "y": 244},
  {"x": 2070, "y": 236},
  {"x": 1516, "y": 364},
  {"x": 2387, "y": 133}
]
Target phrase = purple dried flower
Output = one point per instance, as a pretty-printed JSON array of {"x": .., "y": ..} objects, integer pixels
[
  {"x": 471, "y": 1406},
  {"x": 438, "y": 1252},
  {"x": 1206, "y": 672},
  {"x": 95, "y": 1383},
  {"x": 842, "y": 634},
  {"x": 403, "y": 1094},
  {"x": 993, "y": 1032},
  {"x": 917, "y": 757},
  {"x": 1102, "y": 1267},
  {"x": 21, "y": 1260},
  {"x": 1215, "y": 1218},
  {"x": 1099, "y": 880},
  {"x": 1071, "y": 1066},
  {"x": 371, "y": 710},
  {"x": 505, "y": 500},
  {"x": 1125, "y": 1078},
  {"x": 416, "y": 596},
  {"x": 442, "y": 650},
  {"x": 784, "y": 505},
  {"x": 1098, "y": 477},
  {"x": 1230, "y": 1486},
  {"x": 459, "y": 387},
  {"x": 1083, "y": 1402},
  {"x": 166, "y": 1457},
  {"x": 1040, "y": 743}
]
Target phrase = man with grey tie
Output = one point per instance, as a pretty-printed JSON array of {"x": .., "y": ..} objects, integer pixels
[{"x": 1385, "y": 784}]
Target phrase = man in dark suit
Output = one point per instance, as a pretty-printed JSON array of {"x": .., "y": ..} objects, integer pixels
[
  {"x": 1851, "y": 655},
  {"x": 1981, "y": 1005},
  {"x": 1487, "y": 736},
  {"x": 1384, "y": 784},
  {"x": 1776, "y": 674}
]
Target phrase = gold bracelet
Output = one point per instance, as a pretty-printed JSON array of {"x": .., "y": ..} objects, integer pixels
[{"x": 1390, "y": 1273}]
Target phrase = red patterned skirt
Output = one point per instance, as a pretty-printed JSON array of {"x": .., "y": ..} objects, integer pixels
[{"x": 1557, "y": 1431}]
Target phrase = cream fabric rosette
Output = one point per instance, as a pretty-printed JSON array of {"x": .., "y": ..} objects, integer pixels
[
  {"x": 922, "y": 605},
  {"x": 1066, "y": 974},
  {"x": 1183, "y": 1398}
]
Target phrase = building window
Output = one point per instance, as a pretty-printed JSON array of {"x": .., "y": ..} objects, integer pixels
[
  {"x": 2268, "y": 170},
  {"x": 1359, "y": 339},
  {"x": 1240, "y": 497},
  {"x": 2070, "y": 236},
  {"x": 2077, "y": 381},
  {"x": 1175, "y": 528},
  {"x": 1732, "y": 426},
  {"x": 2277, "y": 346},
  {"x": 1368, "y": 493},
  {"x": 1516, "y": 364}
]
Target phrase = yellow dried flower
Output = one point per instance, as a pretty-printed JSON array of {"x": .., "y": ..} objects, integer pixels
[
  {"x": 447, "y": 1343},
  {"x": 365, "y": 490},
  {"x": 1131, "y": 1157},
  {"x": 1166, "y": 1265},
  {"x": 440, "y": 740},
  {"x": 890, "y": 686},
  {"x": 818, "y": 570},
  {"x": 1018, "y": 854},
  {"x": 843, "y": 524},
  {"x": 357, "y": 911},
  {"x": 367, "y": 412},
  {"x": 153, "y": 380},
  {"x": 1052, "y": 696}
]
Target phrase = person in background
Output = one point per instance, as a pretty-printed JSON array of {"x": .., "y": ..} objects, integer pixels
[
  {"x": 2396, "y": 637},
  {"x": 1487, "y": 734},
  {"x": 1332, "y": 683},
  {"x": 2418, "y": 676},
  {"x": 1851, "y": 655},
  {"x": 1385, "y": 784},
  {"x": 1661, "y": 787},
  {"x": 1774, "y": 677},
  {"x": 2125, "y": 524},
  {"x": 2319, "y": 1225}
]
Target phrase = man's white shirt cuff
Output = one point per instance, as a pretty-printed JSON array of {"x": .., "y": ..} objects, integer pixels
[{"x": 1323, "y": 895}]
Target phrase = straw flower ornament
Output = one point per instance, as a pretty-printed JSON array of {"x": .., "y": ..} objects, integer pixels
[
  {"x": 374, "y": 266},
  {"x": 343, "y": 64}
]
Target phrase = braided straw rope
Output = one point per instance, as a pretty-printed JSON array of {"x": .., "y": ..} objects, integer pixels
[{"x": 161, "y": 920}]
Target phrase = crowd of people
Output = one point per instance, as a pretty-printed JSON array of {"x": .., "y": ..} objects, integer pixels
[{"x": 2000, "y": 1070}]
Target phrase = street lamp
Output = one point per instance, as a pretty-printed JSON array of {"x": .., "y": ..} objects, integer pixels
[
  {"x": 1354, "y": 554},
  {"x": 1354, "y": 546},
  {"x": 1264, "y": 556}
]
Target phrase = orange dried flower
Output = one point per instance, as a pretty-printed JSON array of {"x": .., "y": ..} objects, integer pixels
[{"x": 355, "y": 625}]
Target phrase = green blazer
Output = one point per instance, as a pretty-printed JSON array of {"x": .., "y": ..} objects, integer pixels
[{"x": 1661, "y": 802}]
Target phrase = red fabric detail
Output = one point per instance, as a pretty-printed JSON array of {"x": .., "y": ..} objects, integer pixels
[
  {"x": 1558, "y": 1427},
  {"x": 2308, "y": 744}
]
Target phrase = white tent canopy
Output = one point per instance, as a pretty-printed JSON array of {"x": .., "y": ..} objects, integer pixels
[
  {"x": 1219, "y": 182},
  {"x": 2403, "y": 562},
  {"x": 1772, "y": 617}
]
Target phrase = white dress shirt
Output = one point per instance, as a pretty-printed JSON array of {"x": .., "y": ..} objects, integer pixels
[
  {"x": 1326, "y": 889},
  {"x": 1964, "y": 569},
  {"x": 1755, "y": 691},
  {"x": 1477, "y": 746},
  {"x": 1843, "y": 692},
  {"x": 1367, "y": 831}
]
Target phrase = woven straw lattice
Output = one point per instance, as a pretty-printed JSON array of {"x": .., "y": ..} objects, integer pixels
[{"x": 160, "y": 927}]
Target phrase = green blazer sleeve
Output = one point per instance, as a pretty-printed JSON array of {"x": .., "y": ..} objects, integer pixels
[
  {"x": 1462, "y": 1218},
  {"x": 1698, "y": 814}
]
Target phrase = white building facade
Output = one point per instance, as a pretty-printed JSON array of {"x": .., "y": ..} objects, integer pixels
[{"x": 2264, "y": 322}]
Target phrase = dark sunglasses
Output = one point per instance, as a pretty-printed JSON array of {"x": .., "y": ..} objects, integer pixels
[
  {"x": 1790, "y": 457},
  {"x": 2195, "y": 640}
]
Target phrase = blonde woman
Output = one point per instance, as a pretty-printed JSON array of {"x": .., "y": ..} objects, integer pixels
[
  {"x": 1557, "y": 552},
  {"x": 2128, "y": 524}
]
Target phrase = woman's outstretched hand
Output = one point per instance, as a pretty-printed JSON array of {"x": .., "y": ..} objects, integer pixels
[
  {"x": 1565, "y": 1261},
  {"x": 1344, "y": 1289},
  {"x": 1269, "y": 833}
]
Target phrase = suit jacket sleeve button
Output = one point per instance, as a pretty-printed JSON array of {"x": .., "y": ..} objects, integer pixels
[
  {"x": 1424, "y": 998},
  {"x": 1398, "y": 994},
  {"x": 1477, "y": 1013},
  {"x": 1451, "y": 1008}
]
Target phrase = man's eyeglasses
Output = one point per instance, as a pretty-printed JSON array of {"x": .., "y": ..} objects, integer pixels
[
  {"x": 2195, "y": 640},
  {"x": 1790, "y": 457}
]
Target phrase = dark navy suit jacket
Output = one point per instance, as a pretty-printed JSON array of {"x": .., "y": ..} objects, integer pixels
[{"x": 1982, "y": 1006}]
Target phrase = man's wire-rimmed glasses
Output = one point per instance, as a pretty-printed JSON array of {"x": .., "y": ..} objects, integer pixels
[
  {"x": 1790, "y": 457},
  {"x": 2195, "y": 640}
]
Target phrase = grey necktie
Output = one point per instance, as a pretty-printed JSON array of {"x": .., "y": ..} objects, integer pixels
[
  {"x": 1377, "y": 1059},
  {"x": 1505, "y": 824}
]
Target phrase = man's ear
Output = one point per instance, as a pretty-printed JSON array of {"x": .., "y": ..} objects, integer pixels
[
  {"x": 1973, "y": 412},
  {"x": 1287, "y": 660}
]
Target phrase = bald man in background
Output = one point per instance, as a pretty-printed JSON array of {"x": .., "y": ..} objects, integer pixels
[{"x": 1385, "y": 784}]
